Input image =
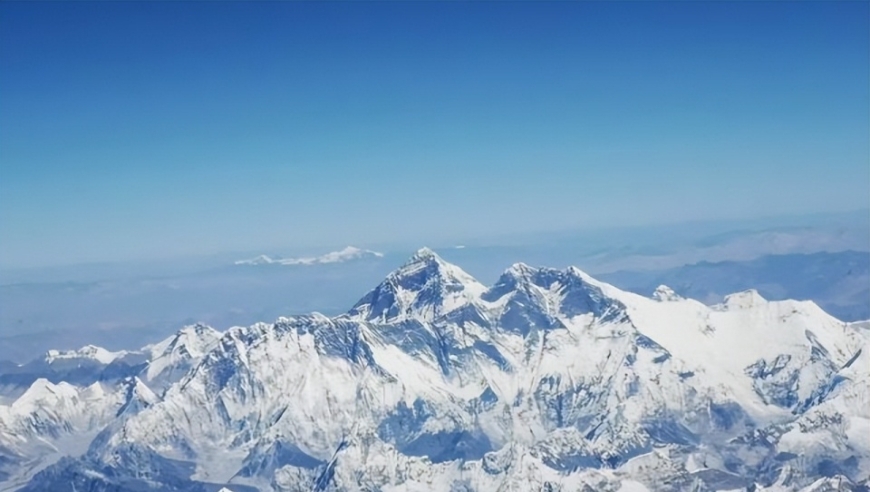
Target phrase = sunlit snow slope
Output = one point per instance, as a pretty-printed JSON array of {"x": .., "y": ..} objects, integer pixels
[{"x": 547, "y": 380}]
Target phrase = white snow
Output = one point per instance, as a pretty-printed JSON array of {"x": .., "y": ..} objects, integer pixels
[
  {"x": 98, "y": 354},
  {"x": 578, "y": 381},
  {"x": 347, "y": 254},
  {"x": 446, "y": 289},
  {"x": 179, "y": 352},
  {"x": 664, "y": 293}
]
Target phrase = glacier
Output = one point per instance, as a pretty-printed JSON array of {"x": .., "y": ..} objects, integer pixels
[{"x": 547, "y": 380}]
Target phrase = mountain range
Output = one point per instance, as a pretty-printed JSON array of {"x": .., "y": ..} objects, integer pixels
[
  {"x": 349, "y": 253},
  {"x": 546, "y": 380},
  {"x": 838, "y": 282}
]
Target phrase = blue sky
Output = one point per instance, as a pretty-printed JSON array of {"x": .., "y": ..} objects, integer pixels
[{"x": 139, "y": 130}]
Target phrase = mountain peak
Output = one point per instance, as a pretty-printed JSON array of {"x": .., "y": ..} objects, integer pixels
[
  {"x": 196, "y": 330},
  {"x": 137, "y": 396},
  {"x": 188, "y": 344},
  {"x": 743, "y": 300},
  {"x": 526, "y": 296},
  {"x": 425, "y": 253},
  {"x": 424, "y": 288},
  {"x": 425, "y": 259},
  {"x": 43, "y": 390},
  {"x": 520, "y": 269},
  {"x": 135, "y": 388},
  {"x": 549, "y": 374},
  {"x": 663, "y": 293}
]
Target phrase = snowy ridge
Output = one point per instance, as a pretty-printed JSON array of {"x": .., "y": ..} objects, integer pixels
[
  {"x": 349, "y": 253},
  {"x": 46, "y": 420},
  {"x": 98, "y": 354},
  {"x": 547, "y": 380},
  {"x": 170, "y": 359}
]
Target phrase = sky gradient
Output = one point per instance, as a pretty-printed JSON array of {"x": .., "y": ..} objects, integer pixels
[{"x": 136, "y": 130}]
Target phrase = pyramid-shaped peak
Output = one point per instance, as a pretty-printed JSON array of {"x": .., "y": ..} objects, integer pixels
[
  {"x": 192, "y": 336},
  {"x": 137, "y": 397},
  {"x": 190, "y": 342},
  {"x": 425, "y": 287},
  {"x": 196, "y": 328},
  {"x": 663, "y": 293},
  {"x": 136, "y": 389},
  {"x": 424, "y": 254},
  {"x": 520, "y": 269},
  {"x": 425, "y": 259}
]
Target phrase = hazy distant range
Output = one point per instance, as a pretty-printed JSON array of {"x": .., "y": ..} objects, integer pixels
[{"x": 826, "y": 259}]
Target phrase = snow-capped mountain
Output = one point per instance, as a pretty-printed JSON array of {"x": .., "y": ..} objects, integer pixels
[
  {"x": 425, "y": 288},
  {"x": 547, "y": 380},
  {"x": 88, "y": 352},
  {"x": 349, "y": 253},
  {"x": 60, "y": 402}
]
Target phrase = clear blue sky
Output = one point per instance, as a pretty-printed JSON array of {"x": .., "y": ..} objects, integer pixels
[{"x": 137, "y": 130}]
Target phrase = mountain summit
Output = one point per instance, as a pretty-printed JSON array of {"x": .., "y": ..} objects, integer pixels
[
  {"x": 547, "y": 380},
  {"x": 424, "y": 288}
]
